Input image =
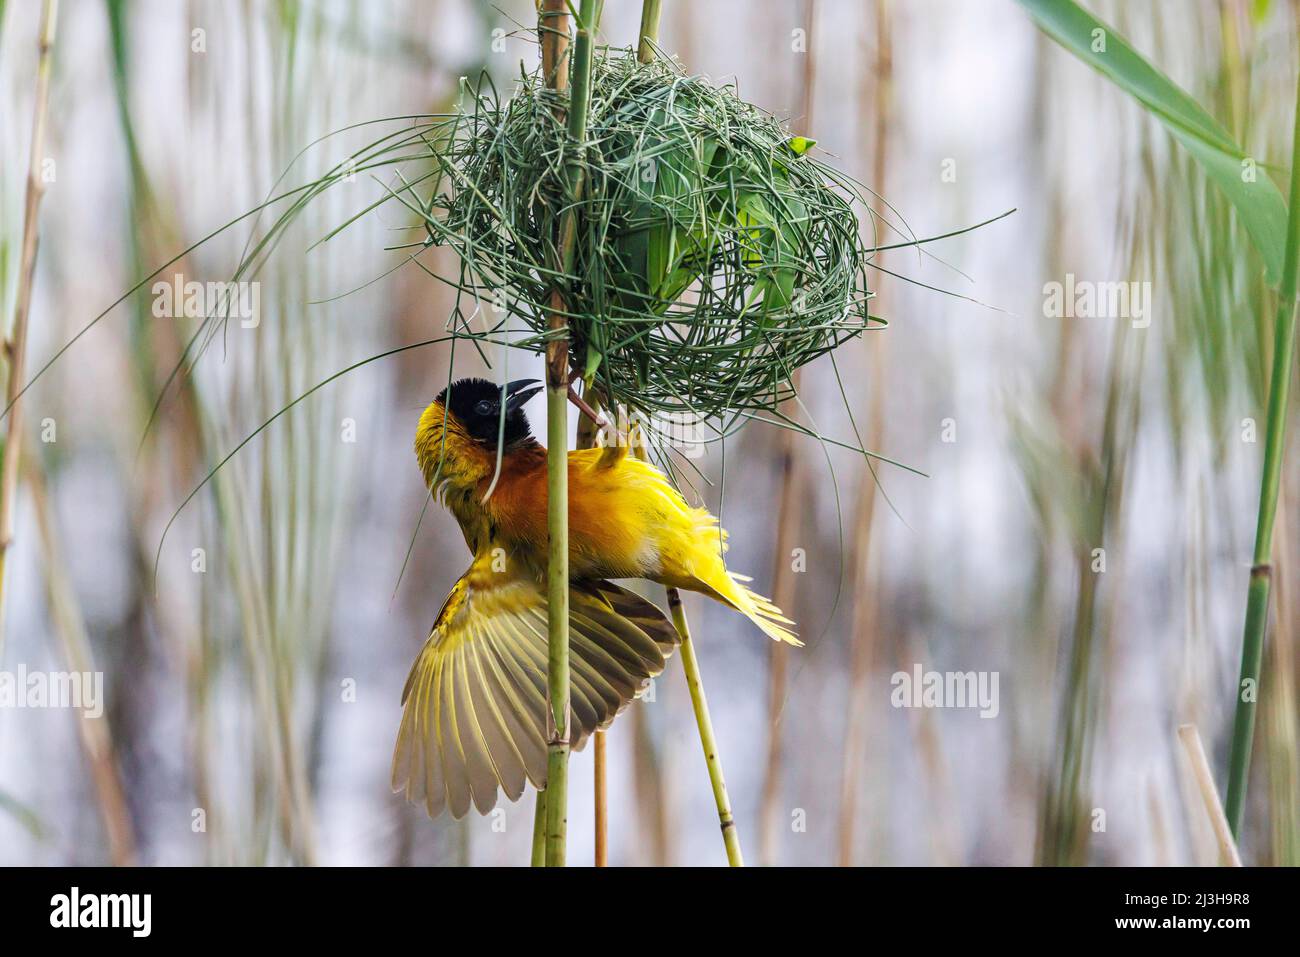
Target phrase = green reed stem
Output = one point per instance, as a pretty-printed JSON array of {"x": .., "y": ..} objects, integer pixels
[
  {"x": 557, "y": 664},
  {"x": 553, "y": 32},
  {"x": 649, "y": 34},
  {"x": 1261, "y": 572},
  {"x": 691, "y": 665}
]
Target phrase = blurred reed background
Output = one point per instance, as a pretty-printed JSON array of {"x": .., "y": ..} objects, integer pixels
[{"x": 253, "y": 694}]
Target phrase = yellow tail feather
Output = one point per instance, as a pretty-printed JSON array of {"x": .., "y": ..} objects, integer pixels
[{"x": 769, "y": 618}]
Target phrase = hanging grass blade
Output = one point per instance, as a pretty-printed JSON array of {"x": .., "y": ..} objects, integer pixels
[{"x": 1258, "y": 202}]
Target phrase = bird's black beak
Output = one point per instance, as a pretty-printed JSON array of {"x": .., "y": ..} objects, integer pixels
[{"x": 519, "y": 392}]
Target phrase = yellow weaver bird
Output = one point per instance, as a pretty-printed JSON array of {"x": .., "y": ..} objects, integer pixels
[{"x": 474, "y": 707}]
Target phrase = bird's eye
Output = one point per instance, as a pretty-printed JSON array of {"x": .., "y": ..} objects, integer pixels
[{"x": 484, "y": 408}]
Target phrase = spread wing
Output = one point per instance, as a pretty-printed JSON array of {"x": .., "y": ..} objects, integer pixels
[{"x": 474, "y": 715}]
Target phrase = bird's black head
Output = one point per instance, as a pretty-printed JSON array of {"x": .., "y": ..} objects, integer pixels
[{"x": 477, "y": 406}]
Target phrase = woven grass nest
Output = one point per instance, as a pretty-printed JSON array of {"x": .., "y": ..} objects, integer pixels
[{"x": 713, "y": 255}]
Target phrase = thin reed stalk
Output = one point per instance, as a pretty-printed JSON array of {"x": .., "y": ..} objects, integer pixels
[
  {"x": 790, "y": 510},
  {"x": 866, "y": 602},
  {"x": 652, "y": 799},
  {"x": 70, "y": 625},
  {"x": 1191, "y": 740},
  {"x": 15, "y": 345},
  {"x": 553, "y": 31},
  {"x": 601, "y": 803},
  {"x": 691, "y": 665},
  {"x": 1261, "y": 571}
]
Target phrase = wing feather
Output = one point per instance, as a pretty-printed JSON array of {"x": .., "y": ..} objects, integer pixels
[
  {"x": 476, "y": 748},
  {"x": 474, "y": 705},
  {"x": 512, "y": 715},
  {"x": 524, "y": 700},
  {"x": 450, "y": 745}
]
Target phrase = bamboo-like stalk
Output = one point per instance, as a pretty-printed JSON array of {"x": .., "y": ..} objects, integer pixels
[
  {"x": 865, "y": 603},
  {"x": 553, "y": 30},
  {"x": 691, "y": 665},
  {"x": 649, "y": 33},
  {"x": 553, "y": 33},
  {"x": 1191, "y": 739},
  {"x": 15, "y": 345},
  {"x": 790, "y": 509},
  {"x": 1261, "y": 572}
]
